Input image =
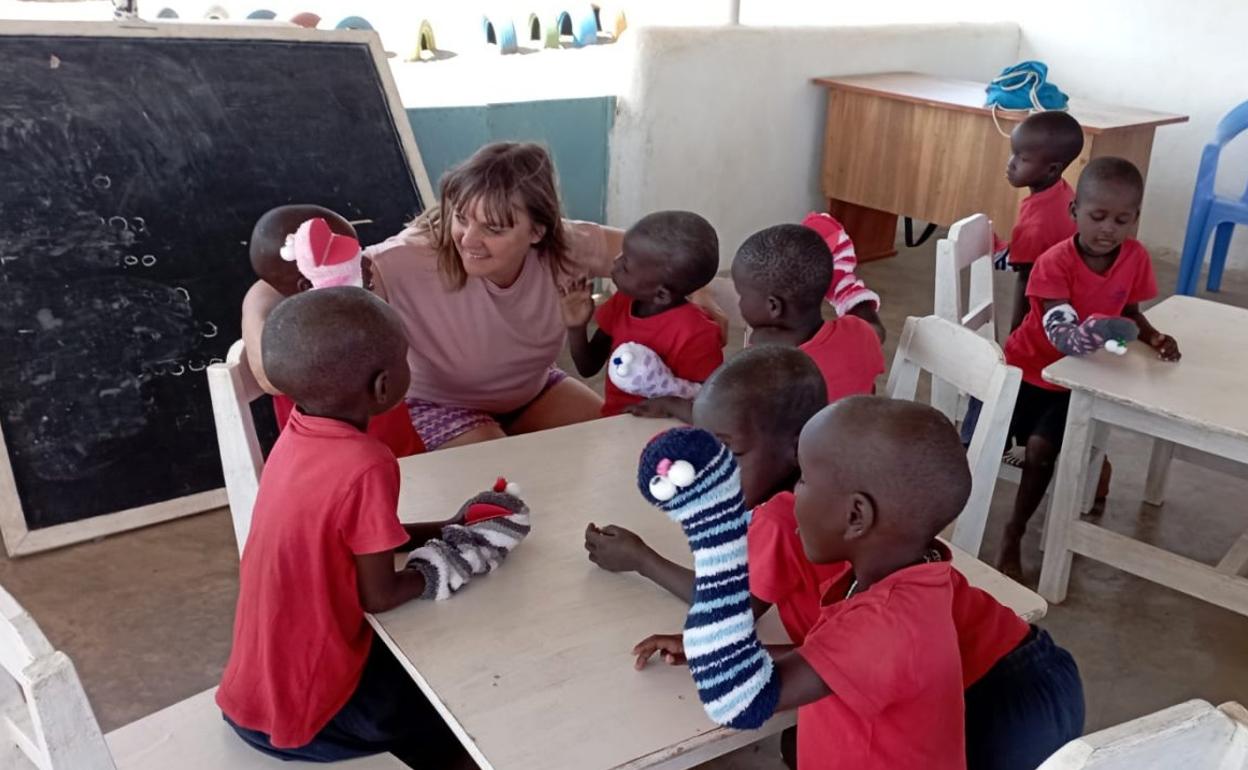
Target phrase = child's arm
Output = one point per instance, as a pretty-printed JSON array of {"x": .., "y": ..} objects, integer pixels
[
  {"x": 589, "y": 354},
  {"x": 380, "y": 586},
  {"x": 259, "y": 301},
  {"x": 1075, "y": 336},
  {"x": 1020, "y": 296},
  {"x": 1165, "y": 345},
  {"x": 868, "y": 312},
  {"x": 616, "y": 549},
  {"x": 664, "y": 406}
]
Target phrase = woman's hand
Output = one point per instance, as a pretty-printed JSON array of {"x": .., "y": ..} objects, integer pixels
[
  {"x": 576, "y": 303},
  {"x": 671, "y": 647}
]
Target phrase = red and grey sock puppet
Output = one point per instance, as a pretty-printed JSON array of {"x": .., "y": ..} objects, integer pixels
[
  {"x": 1072, "y": 337},
  {"x": 494, "y": 524}
]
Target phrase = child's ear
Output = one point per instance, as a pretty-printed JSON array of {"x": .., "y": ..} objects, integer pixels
[
  {"x": 381, "y": 387},
  {"x": 861, "y": 516},
  {"x": 1074, "y": 202},
  {"x": 775, "y": 307},
  {"x": 663, "y": 295},
  {"x": 1055, "y": 170}
]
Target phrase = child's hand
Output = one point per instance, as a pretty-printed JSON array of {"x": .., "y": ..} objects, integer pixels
[
  {"x": 577, "y": 303},
  {"x": 671, "y": 648},
  {"x": 615, "y": 549},
  {"x": 1166, "y": 347},
  {"x": 654, "y": 408}
]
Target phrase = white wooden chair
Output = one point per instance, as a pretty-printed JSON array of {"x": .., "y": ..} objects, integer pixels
[
  {"x": 1192, "y": 736},
  {"x": 46, "y": 722},
  {"x": 968, "y": 246},
  {"x": 233, "y": 387},
  {"x": 968, "y": 363}
]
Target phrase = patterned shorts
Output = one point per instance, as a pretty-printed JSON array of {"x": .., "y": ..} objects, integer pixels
[{"x": 437, "y": 424}]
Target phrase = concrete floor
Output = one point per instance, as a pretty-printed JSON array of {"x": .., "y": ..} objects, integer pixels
[{"x": 146, "y": 615}]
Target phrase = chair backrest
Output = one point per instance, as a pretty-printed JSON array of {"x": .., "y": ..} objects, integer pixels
[
  {"x": 233, "y": 387},
  {"x": 968, "y": 363},
  {"x": 45, "y": 719},
  {"x": 1192, "y": 735},
  {"x": 967, "y": 246}
]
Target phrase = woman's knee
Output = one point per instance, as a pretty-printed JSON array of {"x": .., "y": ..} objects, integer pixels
[
  {"x": 565, "y": 403},
  {"x": 480, "y": 434}
]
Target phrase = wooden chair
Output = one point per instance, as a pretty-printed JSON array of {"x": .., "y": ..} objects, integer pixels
[
  {"x": 233, "y": 387},
  {"x": 46, "y": 722},
  {"x": 968, "y": 363},
  {"x": 968, "y": 246},
  {"x": 1192, "y": 736}
]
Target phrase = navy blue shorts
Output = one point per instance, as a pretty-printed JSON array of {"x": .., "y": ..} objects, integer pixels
[
  {"x": 1026, "y": 707},
  {"x": 387, "y": 712}
]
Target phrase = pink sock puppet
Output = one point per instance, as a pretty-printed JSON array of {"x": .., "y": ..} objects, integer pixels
[{"x": 324, "y": 257}]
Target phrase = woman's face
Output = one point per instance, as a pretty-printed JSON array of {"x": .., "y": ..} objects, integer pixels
[{"x": 491, "y": 249}]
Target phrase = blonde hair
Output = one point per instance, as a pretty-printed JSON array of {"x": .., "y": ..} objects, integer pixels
[{"x": 500, "y": 176}]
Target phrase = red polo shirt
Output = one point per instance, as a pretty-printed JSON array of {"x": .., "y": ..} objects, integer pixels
[
  {"x": 1060, "y": 273},
  {"x": 685, "y": 337},
  {"x": 328, "y": 493},
  {"x": 890, "y": 657},
  {"x": 392, "y": 428},
  {"x": 1044, "y": 221}
]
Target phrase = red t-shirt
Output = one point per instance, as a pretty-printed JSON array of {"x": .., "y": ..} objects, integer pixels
[
  {"x": 987, "y": 629},
  {"x": 1044, "y": 221},
  {"x": 849, "y": 354},
  {"x": 890, "y": 657},
  {"x": 1060, "y": 273},
  {"x": 780, "y": 573},
  {"x": 328, "y": 492},
  {"x": 685, "y": 337},
  {"x": 392, "y": 428}
]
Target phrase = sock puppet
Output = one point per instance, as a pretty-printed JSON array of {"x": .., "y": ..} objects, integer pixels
[
  {"x": 494, "y": 524},
  {"x": 694, "y": 479},
  {"x": 1072, "y": 338},
  {"x": 324, "y": 257},
  {"x": 639, "y": 371}
]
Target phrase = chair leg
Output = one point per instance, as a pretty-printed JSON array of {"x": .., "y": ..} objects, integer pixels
[
  {"x": 1191, "y": 259},
  {"x": 1189, "y": 270},
  {"x": 1158, "y": 472},
  {"x": 1217, "y": 257}
]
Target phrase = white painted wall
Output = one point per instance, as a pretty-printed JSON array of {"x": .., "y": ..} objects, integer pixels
[
  {"x": 1187, "y": 57},
  {"x": 725, "y": 121}
]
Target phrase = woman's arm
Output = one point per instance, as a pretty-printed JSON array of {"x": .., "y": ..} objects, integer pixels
[{"x": 259, "y": 301}]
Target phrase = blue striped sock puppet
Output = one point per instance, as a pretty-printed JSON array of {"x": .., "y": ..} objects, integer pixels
[{"x": 689, "y": 475}]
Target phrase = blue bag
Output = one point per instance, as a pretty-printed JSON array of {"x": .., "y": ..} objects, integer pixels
[{"x": 1023, "y": 87}]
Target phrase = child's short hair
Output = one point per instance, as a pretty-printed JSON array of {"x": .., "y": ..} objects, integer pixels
[
  {"x": 1057, "y": 133},
  {"x": 690, "y": 243},
  {"x": 788, "y": 261},
  {"x": 1108, "y": 170},
  {"x": 323, "y": 348},
  {"x": 776, "y": 387},
  {"x": 269, "y": 235}
]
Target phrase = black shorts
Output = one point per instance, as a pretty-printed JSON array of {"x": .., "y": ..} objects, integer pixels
[{"x": 1039, "y": 412}]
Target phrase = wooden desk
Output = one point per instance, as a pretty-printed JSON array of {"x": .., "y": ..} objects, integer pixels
[
  {"x": 902, "y": 143},
  {"x": 531, "y": 665},
  {"x": 1197, "y": 402}
]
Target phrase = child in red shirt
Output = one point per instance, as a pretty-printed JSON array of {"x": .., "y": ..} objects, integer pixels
[
  {"x": 307, "y": 679},
  {"x": 1083, "y": 291},
  {"x": 1041, "y": 148},
  {"x": 666, "y": 257},
  {"x": 280, "y": 278},
  {"x": 781, "y": 274}
]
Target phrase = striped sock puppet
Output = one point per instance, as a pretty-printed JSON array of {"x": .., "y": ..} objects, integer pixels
[{"x": 689, "y": 475}]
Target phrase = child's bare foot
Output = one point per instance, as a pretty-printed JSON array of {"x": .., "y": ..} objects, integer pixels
[{"x": 1010, "y": 557}]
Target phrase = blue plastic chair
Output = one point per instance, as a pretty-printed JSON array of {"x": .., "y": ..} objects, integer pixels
[{"x": 1212, "y": 215}]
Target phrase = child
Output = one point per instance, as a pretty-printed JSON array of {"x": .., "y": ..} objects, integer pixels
[
  {"x": 1078, "y": 289},
  {"x": 283, "y": 278},
  {"x": 878, "y": 678},
  {"x": 781, "y": 274},
  {"x": 306, "y": 678},
  {"x": 666, "y": 257},
  {"x": 1041, "y": 147}
]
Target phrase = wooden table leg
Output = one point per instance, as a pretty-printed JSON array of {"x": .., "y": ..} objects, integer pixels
[
  {"x": 873, "y": 232},
  {"x": 1072, "y": 469},
  {"x": 1158, "y": 472}
]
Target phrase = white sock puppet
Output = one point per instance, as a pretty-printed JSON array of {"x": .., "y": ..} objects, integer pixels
[{"x": 639, "y": 371}]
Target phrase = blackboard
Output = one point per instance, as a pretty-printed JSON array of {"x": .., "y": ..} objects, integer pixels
[{"x": 133, "y": 163}]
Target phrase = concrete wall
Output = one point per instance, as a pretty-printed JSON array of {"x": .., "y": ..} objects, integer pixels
[
  {"x": 725, "y": 121},
  {"x": 1185, "y": 57},
  {"x": 574, "y": 130}
]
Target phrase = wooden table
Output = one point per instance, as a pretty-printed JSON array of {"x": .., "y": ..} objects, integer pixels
[
  {"x": 926, "y": 147},
  {"x": 1197, "y": 403},
  {"x": 531, "y": 666}
]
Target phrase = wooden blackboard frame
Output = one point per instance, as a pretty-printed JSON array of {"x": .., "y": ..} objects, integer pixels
[{"x": 18, "y": 538}]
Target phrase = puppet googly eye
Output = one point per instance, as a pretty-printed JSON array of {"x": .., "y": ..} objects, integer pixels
[
  {"x": 681, "y": 473},
  {"x": 662, "y": 489}
]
